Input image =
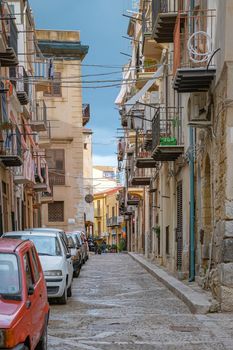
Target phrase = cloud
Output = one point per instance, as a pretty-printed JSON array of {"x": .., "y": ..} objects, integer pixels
[{"x": 104, "y": 160}]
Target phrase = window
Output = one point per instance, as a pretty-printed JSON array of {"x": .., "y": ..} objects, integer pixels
[
  {"x": 99, "y": 228},
  {"x": 9, "y": 274},
  {"x": 85, "y": 145},
  {"x": 54, "y": 88},
  {"x": 113, "y": 211},
  {"x": 28, "y": 271},
  {"x": 56, "y": 163},
  {"x": 35, "y": 265},
  {"x": 56, "y": 211}
]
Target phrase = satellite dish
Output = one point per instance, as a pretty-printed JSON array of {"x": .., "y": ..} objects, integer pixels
[{"x": 89, "y": 198}]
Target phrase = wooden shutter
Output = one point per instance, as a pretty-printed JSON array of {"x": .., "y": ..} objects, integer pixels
[
  {"x": 179, "y": 225},
  {"x": 54, "y": 87},
  {"x": 56, "y": 163}
]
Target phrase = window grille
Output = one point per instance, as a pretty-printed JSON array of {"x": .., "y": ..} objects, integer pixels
[{"x": 56, "y": 212}]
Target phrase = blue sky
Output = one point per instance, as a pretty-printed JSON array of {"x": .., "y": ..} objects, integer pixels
[{"x": 102, "y": 25}]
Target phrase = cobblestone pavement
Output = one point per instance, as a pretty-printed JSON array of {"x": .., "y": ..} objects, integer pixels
[{"x": 116, "y": 304}]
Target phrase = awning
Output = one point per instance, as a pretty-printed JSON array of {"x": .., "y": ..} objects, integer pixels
[
  {"x": 130, "y": 103},
  {"x": 120, "y": 98}
]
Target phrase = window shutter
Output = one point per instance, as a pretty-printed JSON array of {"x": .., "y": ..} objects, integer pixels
[
  {"x": 56, "y": 212},
  {"x": 56, "y": 164},
  {"x": 56, "y": 84}
]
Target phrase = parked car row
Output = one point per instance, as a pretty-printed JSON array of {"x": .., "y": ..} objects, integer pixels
[{"x": 35, "y": 265}]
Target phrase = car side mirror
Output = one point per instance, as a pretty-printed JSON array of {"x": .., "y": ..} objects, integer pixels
[
  {"x": 68, "y": 256},
  {"x": 31, "y": 290}
]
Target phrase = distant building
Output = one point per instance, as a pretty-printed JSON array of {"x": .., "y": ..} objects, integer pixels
[
  {"x": 104, "y": 177},
  {"x": 88, "y": 181},
  {"x": 67, "y": 115},
  {"x": 109, "y": 224}
]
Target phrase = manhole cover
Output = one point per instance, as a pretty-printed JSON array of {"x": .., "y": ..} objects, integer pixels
[{"x": 184, "y": 328}]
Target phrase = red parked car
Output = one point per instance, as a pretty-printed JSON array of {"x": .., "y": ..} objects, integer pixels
[{"x": 24, "y": 308}]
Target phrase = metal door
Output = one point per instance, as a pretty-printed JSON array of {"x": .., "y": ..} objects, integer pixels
[{"x": 179, "y": 233}]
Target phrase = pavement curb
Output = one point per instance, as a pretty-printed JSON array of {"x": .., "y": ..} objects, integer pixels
[{"x": 198, "y": 303}]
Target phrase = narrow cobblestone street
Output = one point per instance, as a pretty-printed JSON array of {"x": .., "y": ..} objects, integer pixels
[{"x": 116, "y": 304}]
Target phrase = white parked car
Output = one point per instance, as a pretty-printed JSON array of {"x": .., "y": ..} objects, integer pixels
[
  {"x": 51, "y": 229},
  {"x": 55, "y": 260}
]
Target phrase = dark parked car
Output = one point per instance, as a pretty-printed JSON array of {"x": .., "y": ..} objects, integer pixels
[
  {"x": 91, "y": 245},
  {"x": 76, "y": 253}
]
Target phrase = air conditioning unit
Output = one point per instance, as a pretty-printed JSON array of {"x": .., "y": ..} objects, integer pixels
[{"x": 201, "y": 113}]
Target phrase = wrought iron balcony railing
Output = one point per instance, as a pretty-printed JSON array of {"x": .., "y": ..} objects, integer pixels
[
  {"x": 113, "y": 221},
  {"x": 39, "y": 121},
  {"x": 97, "y": 213},
  {"x": 167, "y": 133},
  {"x": 194, "y": 52},
  {"x": 11, "y": 148},
  {"x": 8, "y": 37},
  {"x": 164, "y": 13}
]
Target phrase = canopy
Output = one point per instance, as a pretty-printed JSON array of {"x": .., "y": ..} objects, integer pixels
[{"x": 131, "y": 102}]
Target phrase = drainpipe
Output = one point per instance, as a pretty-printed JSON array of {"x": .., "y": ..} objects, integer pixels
[{"x": 192, "y": 212}]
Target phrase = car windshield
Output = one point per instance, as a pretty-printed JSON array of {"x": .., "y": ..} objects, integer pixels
[
  {"x": 9, "y": 274},
  {"x": 45, "y": 245}
]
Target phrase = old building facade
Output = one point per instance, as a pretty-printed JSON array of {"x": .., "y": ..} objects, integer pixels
[
  {"x": 64, "y": 149},
  {"x": 178, "y": 108}
]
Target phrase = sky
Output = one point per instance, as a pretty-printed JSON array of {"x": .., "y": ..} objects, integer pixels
[{"x": 102, "y": 26}]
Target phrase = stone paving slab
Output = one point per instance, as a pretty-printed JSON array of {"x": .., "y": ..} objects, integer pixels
[
  {"x": 197, "y": 302},
  {"x": 117, "y": 305}
]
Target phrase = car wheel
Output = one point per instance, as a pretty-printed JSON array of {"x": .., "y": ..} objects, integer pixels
[
  {"x": 63, "y": 298},
  {"x": 69, "y": 291},
  {"x": 43, "y": 343}
]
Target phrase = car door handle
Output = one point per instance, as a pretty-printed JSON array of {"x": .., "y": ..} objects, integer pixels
[{"x": 28, "y": 304}]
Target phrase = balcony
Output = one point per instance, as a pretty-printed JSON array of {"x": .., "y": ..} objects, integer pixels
[
  {"x": 8, "y": 38},
  {"x": 133, "y": 200},
  {"x": 145, "y": 161},
  {"x": 164, "y": 14},
  {"x": 40, "y": 187},
  {"x": 86, "y": 113},
  {"x": 194, "y": 54},
  {"x": 121, "y": 150},
  {"x": 150, "y": 48},
  {"x": 167, "y": 142},
  {"x": 138, "y": 178},
  {"x": 57, "y": 177},
  {"x": 46, "y": 197},
  {"x": 20, "y": 80},
  {"x": 114, "y": 221},
  {"x": 39, "y": 121},
  {"x": 97, "y": 213},
  {"x": 25, "y": 174},
  {"x": 146, "y": 73},
  {"x": 11, "y": 149}
]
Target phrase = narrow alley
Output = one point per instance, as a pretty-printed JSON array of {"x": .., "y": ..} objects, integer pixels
[{"x": 116, "y": 304}]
